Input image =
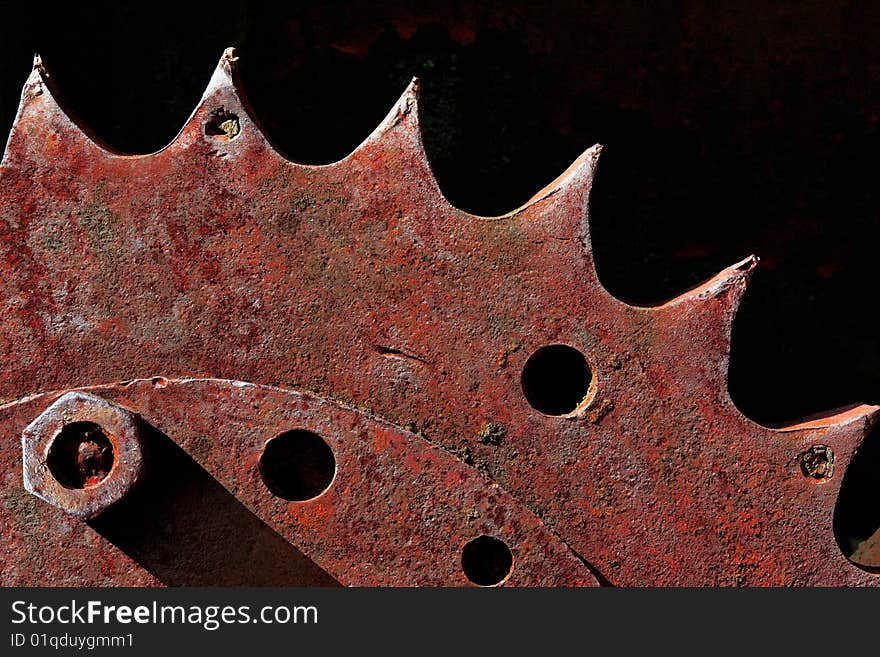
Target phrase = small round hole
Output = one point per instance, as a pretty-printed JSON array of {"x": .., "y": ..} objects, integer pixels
[
  {"x": 297, "y": 465},
  {"x": 222, "y": 123},
  {"x": 486, "y": 561},
  {"x": 81, "y": 455},
  {"x": 556, "y": 379},
  {"x": 818, "y": 462}
]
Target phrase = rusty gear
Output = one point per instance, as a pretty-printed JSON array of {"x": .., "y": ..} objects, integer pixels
[{"x": 593, "y": 438}]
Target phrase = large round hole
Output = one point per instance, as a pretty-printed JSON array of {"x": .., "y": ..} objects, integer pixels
[
  {"x": 556, "y": 379},
  {"x": 81, "y": 455},
  {"x": 486, "y": 561},
  {"x": 297, "y": 465}
]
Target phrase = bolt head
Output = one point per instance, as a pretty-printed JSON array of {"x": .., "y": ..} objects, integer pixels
[{"x": 121, "y": 428}]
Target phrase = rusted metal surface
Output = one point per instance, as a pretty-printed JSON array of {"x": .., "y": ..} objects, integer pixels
[
  {"x": 218, "y": 257},
  {"x": 396, "y": 511}
]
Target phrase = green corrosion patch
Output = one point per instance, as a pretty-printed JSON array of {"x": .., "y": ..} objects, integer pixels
[
  {"x": 102, "y": 227},
  {"x": 50, "y": 242},
  {"x": 99, "y": 222},
  {"x": 22, "y": 506},
  {"x": 492, "y": 433},
  {"x": 284, "y": 204},
  {"x": 331, "y": 215},
  {"x": 508, "y": 239},
  {"x": 289, "y": 220}
]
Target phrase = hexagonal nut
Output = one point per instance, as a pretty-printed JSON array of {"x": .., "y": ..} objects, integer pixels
[{"x": 82, "y": 454}]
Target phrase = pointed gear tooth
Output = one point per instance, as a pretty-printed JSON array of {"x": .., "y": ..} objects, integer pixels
[
  {"x": 731, "y": 282},
  {"x": 859, "y": 416},
  {"x": 561, "y": 209},
  {"x": 397, "y": 143},
  {"x": 579, "y": 174},
  {"x": 37, "y": 84},
  {"x": 863, "y": 416},
  {"x": 407, "y": 106},
  {"x": 401, "y": 127},
  {"x": 695, "y": 330},
  {"x": 34, "y": 88},
  {"x": 823, "y": 446},
  {"x": 224, "y": 114},
  {"x": 229, "y": 55},
  {"x": 40, "y": 115},
  {"x": 844, "y": 429},
  {"x": 224, "y": 73}
]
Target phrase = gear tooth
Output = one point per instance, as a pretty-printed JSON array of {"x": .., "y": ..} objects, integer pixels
[
  {"x": 397, "y": 141},
  {"x": 224, "y": 100},
  {"x": 229, "y": 56},
  {"x": 225, "y": 74},
  {"x": 401, "y": 127},
  {"x": 405, "y": 112},
  {"x": 847, "y": 426},
  {"x": 730, "y": 283},
  {"x": 579, "y": 175},
  {"x": 39, "y": 112},
  {"x": 843, "y": 430},
  {"x": 561, "y": 209},
  {"x": 696, "y": 328},
  {"x": 37, "y": 87},
  {"x": 861, "y": 417}
]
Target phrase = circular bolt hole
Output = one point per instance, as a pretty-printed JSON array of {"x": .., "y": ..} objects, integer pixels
[
  {"x": 486, "y": 561},
  {"x": 297, "y": 465},
  {"x": 81, "y": 455},
  {"x": 556, "y": 379},
  {"x": 818, "y": 462},
  {"x": 222, "y": 123}
]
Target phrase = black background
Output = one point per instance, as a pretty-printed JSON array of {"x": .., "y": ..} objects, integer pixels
[{"x": 728, "y": 130}]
